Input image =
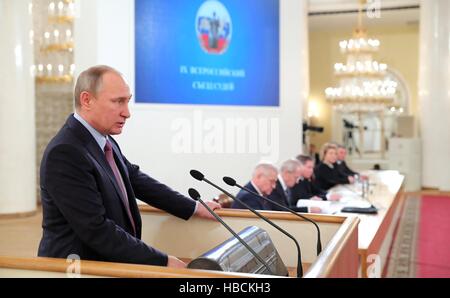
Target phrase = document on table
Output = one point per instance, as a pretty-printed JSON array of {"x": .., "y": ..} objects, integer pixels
[{"x": 332, "y": 207}]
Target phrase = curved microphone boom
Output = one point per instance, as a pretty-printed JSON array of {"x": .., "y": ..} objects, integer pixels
[
  {"x": 199, "y": 176},
  {"x": 231, "y": 182},
  {"x": 196, "y": 196}
]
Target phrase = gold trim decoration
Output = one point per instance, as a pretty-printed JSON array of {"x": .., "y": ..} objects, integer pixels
[
  {"x": 61, "y": 19},
  {"x": 67, "y": 46},
  {"x": 54, "y": 79}
]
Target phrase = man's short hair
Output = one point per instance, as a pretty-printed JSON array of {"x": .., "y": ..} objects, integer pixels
[
  {"x": 303, "y": 159},
  {"x": 264, "y": 168},
  {"x": 339, "y": 146},
  {"x": 90, "y": 80},
  {"x": 290, "y": 166}
]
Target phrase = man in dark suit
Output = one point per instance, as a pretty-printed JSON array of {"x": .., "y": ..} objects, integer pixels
[
  {"x": 89, "y": 188},
  {"x": 305, "y": 189},
  {"x": 282, "y": 194},
  {"x": 263, "y": 182},
  {"x": 341, "y": 164},
  {"x": 314, "y": 154}
]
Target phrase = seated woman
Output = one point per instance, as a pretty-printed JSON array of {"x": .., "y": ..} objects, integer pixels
[{"x": 326, "y": 173}]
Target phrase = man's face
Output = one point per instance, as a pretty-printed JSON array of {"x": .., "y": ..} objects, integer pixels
[
  {"x": 108, "y": 109},
  {"x": 267, "y": 183},
  {"x": 290, "y": 178},
  {"x": 307, "y": 169},
  {"x": 341, "y": 154}
]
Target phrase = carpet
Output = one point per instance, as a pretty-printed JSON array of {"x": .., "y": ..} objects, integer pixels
[
  {"x": 434, "y": 240},
  {"x": 421, "y": 245}
]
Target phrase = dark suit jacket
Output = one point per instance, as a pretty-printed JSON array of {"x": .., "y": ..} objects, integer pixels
[
  {"x": 316, "y": 158},
  {"x": 278, "y": 195},
  {"x": 305, "y": 189},
  {"x": 327, "y": 177},
  {"x": 83, "y": 212},
  {"x": 344, "y": 169},
  {"x": 249, "y": 199}
]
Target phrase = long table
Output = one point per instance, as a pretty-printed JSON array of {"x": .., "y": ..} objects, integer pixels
[{"x": 377, "y": 230}]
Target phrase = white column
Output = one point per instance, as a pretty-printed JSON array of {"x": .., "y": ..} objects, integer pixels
[
  {"x": 17, "y": 127},
  {"x": 434, "y": 92},
  {"x": 294, "y": 71}
]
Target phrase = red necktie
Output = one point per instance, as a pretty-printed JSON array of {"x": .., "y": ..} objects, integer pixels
[{"x": 110, "y": 158}]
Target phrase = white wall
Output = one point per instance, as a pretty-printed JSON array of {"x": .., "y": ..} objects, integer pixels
[
  {"x": 17, "y": 129},
  {"x": 104, "y": 34}
]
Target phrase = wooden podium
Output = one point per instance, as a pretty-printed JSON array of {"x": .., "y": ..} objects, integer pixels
[{"x": 189, "y": 239}]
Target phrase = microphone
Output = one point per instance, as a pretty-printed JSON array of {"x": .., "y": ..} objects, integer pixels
[
  {"x": 199, "y": 176},
  {"x": 363, "y": 195},
  {"x": 231, "y": 182},
  {"x": 196, "y": 196}
]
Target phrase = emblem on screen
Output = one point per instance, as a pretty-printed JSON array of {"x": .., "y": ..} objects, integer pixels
[{"x": 213, "y": 26}]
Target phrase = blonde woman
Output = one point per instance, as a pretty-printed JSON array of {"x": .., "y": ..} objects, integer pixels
[{"x": 327, "y": 174}]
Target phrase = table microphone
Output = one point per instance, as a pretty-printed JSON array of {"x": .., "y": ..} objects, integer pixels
[
  {"x": 231, "y": 182},
  {"x": 196, "y": 196},
  {"x": 199, "y": 176}
]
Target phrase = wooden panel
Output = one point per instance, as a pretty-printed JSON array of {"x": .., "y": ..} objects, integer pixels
[
  {"x": 338, "y": 259},
  {"x": 189, "y": 239},
  {"x": 273, "y": 215},
  {"x": 106, "y": 269},
  {"x": 192, "y": 238}
]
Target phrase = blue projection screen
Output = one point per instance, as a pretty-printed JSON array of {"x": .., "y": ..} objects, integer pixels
[{"x": 207, "y": 52}]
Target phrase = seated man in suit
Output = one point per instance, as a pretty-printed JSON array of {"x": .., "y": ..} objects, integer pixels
[
  {"x": 289, "y": 174},
  {"x": 327, "y": 175},
  {"x": 89, "y": 188},
  {"x": 305, "y": 189},
  {"x": 314, "y": 154},
  {"x": 341, "y": 164},
  {"x": 263, "y": 182}
]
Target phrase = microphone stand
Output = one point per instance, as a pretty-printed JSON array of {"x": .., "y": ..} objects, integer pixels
[
  {"x": 230, "y": 181},
  {"x": 196, "y": 196},
  {"x": 199, "y": 176}
]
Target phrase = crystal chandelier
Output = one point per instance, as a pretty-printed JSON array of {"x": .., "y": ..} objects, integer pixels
[{"x": 363, "y": 82}]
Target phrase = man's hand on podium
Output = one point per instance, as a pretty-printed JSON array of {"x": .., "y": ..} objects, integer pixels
[
  {"x": 174, "y": 262},
  {"x": 203, "y": 213}
]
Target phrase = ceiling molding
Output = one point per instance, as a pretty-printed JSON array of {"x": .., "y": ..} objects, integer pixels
[
  {"x": 323, "y": 6},
  {"x": 331, "y": 15}
]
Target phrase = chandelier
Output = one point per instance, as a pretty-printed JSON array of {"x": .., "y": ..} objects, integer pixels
[{"x": 364, "y": 84}]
